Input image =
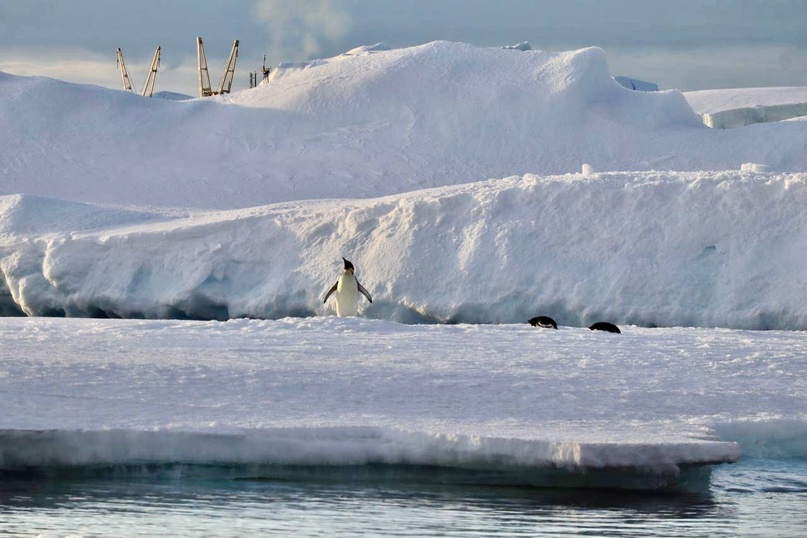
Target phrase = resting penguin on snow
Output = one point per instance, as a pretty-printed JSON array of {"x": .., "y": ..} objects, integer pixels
[
  {"x": 605, "y": 326},
  {"x": 347, "y": 290},
  {"x": 544, "y": 322}
]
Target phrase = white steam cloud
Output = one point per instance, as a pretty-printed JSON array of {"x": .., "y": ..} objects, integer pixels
[{"x": 298, "y": 31}]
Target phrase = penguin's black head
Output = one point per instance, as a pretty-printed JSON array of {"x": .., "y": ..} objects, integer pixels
[{"x": 349, "y": 266}]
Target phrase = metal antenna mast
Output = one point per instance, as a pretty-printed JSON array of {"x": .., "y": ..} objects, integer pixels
[
  {"x": 151, "y": 78},
  {"x": 205, "y": 90},
  {"x": 229, "y": 71},
  {"x": 127, "y": 82},
  {"x": 204, "y": 74}
]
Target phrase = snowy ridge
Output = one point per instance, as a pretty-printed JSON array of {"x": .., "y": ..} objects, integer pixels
[
  {"x": 278, "y": 452},
  {"x": 713, "y": 101},
  {"x": 35, "y": 215},
  {"x": 342, "y": 446},
  {"x": 287, "y": 452},
  {"x": 371, "y": 445},
  {"x": 645, "y": 248},
  {"x": 362, "y": 125}
]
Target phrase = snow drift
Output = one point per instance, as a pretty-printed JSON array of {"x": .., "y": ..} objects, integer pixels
[
  {"x": 366, "y": 124},
  {"x": 653, "y": 249}
]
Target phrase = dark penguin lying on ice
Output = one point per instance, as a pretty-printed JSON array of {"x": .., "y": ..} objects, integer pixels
[
  {"x": 605, "y": 326},
  {"x": 543, "y": 321}
]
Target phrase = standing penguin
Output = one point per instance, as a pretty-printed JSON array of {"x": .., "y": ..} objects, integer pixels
[{"x": 347, "y": 290}]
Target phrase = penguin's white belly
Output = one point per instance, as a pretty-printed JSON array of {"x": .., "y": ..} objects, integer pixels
[{"x": 347, "y": 296}]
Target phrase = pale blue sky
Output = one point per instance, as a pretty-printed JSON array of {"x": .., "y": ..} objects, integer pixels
[{"x": 684, "y": 44}]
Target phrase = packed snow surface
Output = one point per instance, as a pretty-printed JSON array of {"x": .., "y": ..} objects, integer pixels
[
  {"x": 734, "y": 108},
  {"x": 369, "y": 123},
  {"x": 351, "y": 391},
  {"x": 712, "y": 101}
]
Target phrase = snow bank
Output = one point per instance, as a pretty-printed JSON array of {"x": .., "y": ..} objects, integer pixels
[
  {"x": 722, "y": 249},
  {"x": 370, "y": 123},
  {"x": 277, "y": 452},
  {"x": 714, "y": 101},
  {"x": 740, "y": 117},
  {"x": 341, "y": 447},
  {"x": 729, "y": 109}
]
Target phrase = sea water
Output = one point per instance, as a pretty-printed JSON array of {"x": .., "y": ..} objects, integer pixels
[{"x": 753, "y": 497}]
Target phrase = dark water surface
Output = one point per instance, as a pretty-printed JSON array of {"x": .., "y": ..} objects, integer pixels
[{"x": 754, "y": 497}]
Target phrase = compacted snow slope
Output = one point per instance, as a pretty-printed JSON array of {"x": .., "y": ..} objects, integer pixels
[{"x": 365, "y": 124}]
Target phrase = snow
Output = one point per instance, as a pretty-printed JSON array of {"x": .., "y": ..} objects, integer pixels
[
  {"x": 712, "y": 101},
  {"x": 367, "y": 124},
  {"x": 727, "y": 109},
  {"x": 700, "y": 249},
  {"x": 468, "y": 186},
  {"x": 350, "y": 391}
]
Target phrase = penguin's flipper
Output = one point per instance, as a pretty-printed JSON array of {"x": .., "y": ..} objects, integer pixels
[
  {"x": 330, "y": 291},
  {"x": 364, "y": 291}
]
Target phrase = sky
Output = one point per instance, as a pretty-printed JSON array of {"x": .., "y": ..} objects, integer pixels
[{"x": 687, "y": 44}]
